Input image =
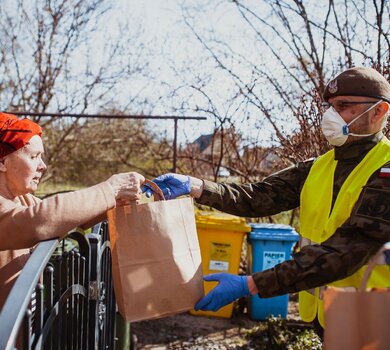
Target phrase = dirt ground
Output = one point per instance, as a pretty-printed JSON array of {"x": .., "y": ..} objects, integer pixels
[{"x": 185, "y": 331}]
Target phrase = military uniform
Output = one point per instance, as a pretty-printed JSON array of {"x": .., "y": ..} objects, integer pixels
[{"x": 348, "y": 249}]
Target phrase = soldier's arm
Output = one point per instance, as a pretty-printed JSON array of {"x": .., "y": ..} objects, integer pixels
[
  {"x": 352, "y": 245},
  {"x": 276, "y": 193}
]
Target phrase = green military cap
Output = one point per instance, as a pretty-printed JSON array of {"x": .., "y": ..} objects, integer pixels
[{"x": 359, "y": 81}]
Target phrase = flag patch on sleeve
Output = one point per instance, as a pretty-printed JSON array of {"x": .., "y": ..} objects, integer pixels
[{"x": 384, "y": 172}]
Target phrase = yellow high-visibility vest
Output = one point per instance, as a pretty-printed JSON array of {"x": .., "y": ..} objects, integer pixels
[{"x": 317, "y": 225}]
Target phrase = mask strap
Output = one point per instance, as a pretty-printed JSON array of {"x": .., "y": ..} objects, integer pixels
[
  {"x": 360, "y": 135},
  {"x": 346, "y": 127},
  {"x": 358, "y": 117}
]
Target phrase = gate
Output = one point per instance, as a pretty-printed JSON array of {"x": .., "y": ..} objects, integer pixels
[{"x": 64, "y": 297}]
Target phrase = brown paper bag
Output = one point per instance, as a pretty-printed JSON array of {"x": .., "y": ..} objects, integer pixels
[
  {"x": 357, "y": 320},
  {"x": 156, "y": 259}
]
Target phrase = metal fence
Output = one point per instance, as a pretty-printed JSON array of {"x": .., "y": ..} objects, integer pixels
[{"x": 64, "y": 297}]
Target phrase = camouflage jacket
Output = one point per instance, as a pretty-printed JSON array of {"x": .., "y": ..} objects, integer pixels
[{"x": 349, "y": 248}]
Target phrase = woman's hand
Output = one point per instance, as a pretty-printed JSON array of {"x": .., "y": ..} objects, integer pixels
[{"x": 126, "y": 187}]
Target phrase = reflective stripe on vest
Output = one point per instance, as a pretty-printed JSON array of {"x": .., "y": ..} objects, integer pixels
[{"x": 317, "y": 225}]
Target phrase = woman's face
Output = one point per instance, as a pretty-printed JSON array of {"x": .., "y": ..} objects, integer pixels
[{"x": 24, "y": 168}]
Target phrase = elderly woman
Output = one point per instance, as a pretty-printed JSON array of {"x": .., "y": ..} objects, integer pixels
[{"x": 25, "y": 219}]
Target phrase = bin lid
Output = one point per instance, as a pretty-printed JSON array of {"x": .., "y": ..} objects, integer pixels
[
  {"x": 220, "y": 221},
  {"x": 277, "y": 232}
]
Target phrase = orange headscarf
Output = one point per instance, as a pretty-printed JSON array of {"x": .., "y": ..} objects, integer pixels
[{"x": 15, "y": 133}]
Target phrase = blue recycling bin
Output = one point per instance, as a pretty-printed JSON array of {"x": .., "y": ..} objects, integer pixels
[{"x": 270, "y": 244}]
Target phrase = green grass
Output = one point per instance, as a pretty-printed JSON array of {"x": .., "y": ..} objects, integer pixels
[{"x": 47, "y": 188}]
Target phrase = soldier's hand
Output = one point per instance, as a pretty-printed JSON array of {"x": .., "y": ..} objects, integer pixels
[
  {"x": 229, "y": 288},
  {"x": 172, "y": 185}
]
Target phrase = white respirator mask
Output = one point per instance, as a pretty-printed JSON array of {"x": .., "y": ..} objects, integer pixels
[{"x": 336, "y": 130}]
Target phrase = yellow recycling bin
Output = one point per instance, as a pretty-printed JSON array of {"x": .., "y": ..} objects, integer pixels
[{"x": 220, "y": 238}]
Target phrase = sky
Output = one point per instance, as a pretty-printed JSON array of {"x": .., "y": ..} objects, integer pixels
[
  {"x": 177, "y": 74},
  {"x": 159, "y": 39},
  {"x": 164, "y": 32},
  {"x": 176, "y": 47}
]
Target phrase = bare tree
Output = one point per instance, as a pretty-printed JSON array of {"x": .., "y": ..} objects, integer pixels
[
  {"x": 298, "y": 45},
  {"x": 66, "y": 56}
]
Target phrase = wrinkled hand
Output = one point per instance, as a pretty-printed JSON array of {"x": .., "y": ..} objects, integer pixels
[
  {"x": 126, "y": 187},
  {"x": 229, "y": 288},
  {"x": 172, "y": 185}
]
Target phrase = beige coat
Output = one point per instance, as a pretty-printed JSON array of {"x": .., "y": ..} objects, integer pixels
[{"x": 28, "y": 220}]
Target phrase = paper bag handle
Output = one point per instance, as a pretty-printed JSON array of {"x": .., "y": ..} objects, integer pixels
[
  {"x": 157, "y": 193},
  {"x": 379, "y": 258}
]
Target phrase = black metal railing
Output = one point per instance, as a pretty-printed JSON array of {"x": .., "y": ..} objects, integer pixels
[{"x": 64, "y": 297}]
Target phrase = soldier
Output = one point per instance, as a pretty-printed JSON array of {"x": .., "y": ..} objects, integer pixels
[{"x": 344, "y": 200}]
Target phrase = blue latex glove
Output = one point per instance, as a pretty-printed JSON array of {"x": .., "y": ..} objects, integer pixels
[
  {"x": 229, "y": 288},
  {"x": 387, "y": 257},
  {"x": 173, "y": 185}
]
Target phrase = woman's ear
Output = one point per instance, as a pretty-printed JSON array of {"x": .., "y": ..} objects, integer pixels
[{"x": 3, "y": 166}]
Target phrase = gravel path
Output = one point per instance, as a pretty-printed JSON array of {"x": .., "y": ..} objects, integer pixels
[{"x": 185, "y": 331}]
